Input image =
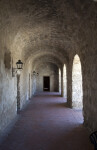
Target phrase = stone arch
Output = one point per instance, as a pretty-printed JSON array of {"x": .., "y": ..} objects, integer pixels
[
  {"x": 45, "y": 59},
  {"x": 77, "y": 91}
]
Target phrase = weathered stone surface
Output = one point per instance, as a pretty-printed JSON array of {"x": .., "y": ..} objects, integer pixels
[{"x": 47, "y": 32}]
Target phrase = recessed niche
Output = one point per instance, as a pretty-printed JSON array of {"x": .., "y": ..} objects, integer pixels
[{"x": 7, "y": 60}]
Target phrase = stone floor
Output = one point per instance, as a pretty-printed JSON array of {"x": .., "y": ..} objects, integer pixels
[{"x": 48, "y": 124}]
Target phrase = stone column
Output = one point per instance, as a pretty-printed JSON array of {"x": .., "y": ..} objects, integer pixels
[
  {"x": 62, "y": 82},
  {"x": 18, "y": 92},
  {"x": 69, "y": 85},
  {"x": 29, "y": 87}
]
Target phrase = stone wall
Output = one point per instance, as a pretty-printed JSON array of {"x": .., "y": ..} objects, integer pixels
[
  {"x": 50, "y": 70},
  {"x": 7, "y": 94}
]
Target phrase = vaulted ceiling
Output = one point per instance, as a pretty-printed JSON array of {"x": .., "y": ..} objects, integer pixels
[{"x": 37, "y": 29}]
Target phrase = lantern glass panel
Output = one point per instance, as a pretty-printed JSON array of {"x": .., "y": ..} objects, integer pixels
[{"x": 19, "y": 64}]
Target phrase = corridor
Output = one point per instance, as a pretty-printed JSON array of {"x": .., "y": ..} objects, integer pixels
[{"x": 48, "y": 124}]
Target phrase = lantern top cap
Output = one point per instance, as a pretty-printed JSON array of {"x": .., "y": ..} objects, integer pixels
[{"x": 19, "y": 62}]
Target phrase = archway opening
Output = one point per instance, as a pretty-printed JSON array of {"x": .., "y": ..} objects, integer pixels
[
  {"x": 77, "y": 91},
  {"x": 64, "y": 82}
]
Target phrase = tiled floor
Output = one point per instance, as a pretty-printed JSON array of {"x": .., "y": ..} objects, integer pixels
[{"x": 48, "y": 124}]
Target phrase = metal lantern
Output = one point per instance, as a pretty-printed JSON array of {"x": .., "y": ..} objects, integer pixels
[
  {"x": 34, "y": 73},
  {"x": 19, "y": 64}
]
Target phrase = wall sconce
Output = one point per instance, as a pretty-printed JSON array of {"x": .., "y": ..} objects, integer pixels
[
  {"x": 34, "y": 74},
  {"x": 19, "y": 67}
]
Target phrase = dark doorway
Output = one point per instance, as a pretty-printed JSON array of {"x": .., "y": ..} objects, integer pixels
[{"x": 46, "y": 83}]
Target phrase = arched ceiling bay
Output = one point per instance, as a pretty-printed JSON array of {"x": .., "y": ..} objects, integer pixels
[
  {"x": 46, "y": 59},
  {"x": 41, "y": 39},
  {"x": 54, "y": 67},
  {"x": 50, "y": 54},
  {"x": 40, "y": 26}
]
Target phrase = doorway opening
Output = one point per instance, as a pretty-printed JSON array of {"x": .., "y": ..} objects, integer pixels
[{"x": 46, "y": 83}]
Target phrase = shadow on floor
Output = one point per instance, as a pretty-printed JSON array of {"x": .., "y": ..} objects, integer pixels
[
  {"x": 71, "y": 139},
  {"x": 49, "y": 94},
  {"x": 57, "y": 105}
]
